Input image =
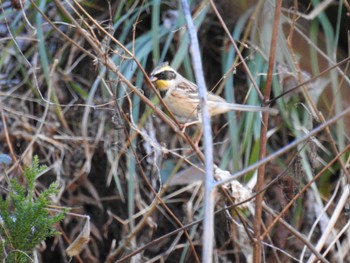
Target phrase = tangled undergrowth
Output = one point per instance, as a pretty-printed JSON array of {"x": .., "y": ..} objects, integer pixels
[{"x": 74, "y": 91}]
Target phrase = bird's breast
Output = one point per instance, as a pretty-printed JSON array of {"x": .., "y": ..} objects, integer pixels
[{"x": 181, "y": 105}]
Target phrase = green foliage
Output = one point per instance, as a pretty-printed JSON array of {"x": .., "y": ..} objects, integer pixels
[{"x": 24, "y": 219}]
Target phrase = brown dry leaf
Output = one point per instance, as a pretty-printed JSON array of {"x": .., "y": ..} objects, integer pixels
[
  {"x": 239, "y": 192},
  {"x": 79, "y": 243}
]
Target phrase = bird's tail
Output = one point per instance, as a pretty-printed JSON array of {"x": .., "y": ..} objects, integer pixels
[{"x": 251, "y": 108}]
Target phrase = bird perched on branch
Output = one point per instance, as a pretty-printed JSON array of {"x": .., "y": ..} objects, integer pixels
[{"x": 182, "y": 98}]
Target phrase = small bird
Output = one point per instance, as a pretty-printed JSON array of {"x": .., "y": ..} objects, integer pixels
[{"x": 182, "y": 98}]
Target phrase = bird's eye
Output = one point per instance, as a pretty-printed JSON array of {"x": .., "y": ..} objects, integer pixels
[
  {"x": 161, "y": 75},
  {"x": 166, "y": 75},
  {"x": 169, "y": 75}
]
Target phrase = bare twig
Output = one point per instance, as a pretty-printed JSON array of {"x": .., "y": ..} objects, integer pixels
[
  {"x": 208, "y": 226},
  {"x": 263, "y": 137},
  {"x": 261, "y": 96}
]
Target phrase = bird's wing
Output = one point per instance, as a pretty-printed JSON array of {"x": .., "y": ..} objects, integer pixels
[
  {"x": 190, "y": 89},
  {"x": 187, "y": 86}
]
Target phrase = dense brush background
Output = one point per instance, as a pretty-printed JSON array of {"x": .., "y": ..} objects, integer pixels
[{"x": 112, "y": 154}]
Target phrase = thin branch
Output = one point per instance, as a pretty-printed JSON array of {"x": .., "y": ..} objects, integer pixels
[
  {"x": 237, "y": 50},
  {"x": 208, "y": 226},
  {"x": 257, "y": 252}
]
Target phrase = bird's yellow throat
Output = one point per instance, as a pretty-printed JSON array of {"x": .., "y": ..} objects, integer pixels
[{"x": 162, "y": 84}]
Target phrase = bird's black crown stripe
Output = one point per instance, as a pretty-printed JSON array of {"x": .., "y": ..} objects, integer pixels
[{"x": 166, "y": 75}]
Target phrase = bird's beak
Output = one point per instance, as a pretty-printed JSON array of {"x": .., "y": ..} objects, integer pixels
[{"x": 153, "y": 78}]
